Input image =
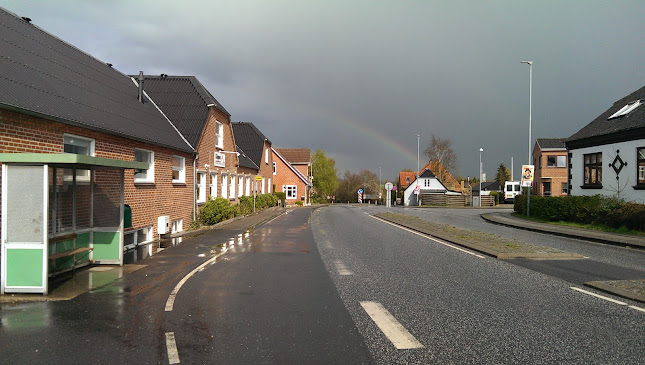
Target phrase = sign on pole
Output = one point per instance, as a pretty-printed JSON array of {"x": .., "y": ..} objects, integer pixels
[{"x": 527, "y": 175}]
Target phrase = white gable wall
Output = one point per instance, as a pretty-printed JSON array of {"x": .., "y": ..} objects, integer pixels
[
  {"x": 409, "y": 198},
  {"x": 610, "y": 186}
]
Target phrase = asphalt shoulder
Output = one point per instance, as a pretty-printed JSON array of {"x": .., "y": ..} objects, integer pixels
[{"x": 507, "y": 219}]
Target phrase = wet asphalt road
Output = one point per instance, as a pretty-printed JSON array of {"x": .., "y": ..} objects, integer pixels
[
  {"x": 289, "y": 291},
  {"x": 267, "y": 299},
  {"x": 464, "y": 308}
]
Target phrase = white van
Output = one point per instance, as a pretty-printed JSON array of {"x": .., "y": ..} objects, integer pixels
[{"x": 511, "y": 189}]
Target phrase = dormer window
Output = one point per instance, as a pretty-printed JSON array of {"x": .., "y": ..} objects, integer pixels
[{"x": 626, "y": 109}]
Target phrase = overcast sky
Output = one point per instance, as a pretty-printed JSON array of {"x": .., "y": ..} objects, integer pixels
[{"x": 359, "y": 79}]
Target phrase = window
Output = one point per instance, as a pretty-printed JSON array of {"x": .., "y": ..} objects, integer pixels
[
  {"x": 144, "y": 176},
  {"x": 593, "y": 169},
  {"x": 426, "y": 183},
  {"x": 266, "y": 156},
  {"x": 213, "y": 185},
  {"x": 407, "y": 179},
  {"x": 248, "y": 186},
  {"x": 240, "y": 185},
  {"x": 219, "y": 135},
  {"x": 232, "y": 189},
  {"x": 200, "y": 187},
  {"x": 565, "y": 188},
  {"x": 177, "y": 226},
  {"x": 626, "y": 109},
  {"x": 291, "y": 191},
  {"x": 562, "y": 161},
  {"x": 224, "y": 185},
  {"x": 518, "y": 187},
  {"x": 550, "y": 161},
  {"x": 262, "y": 184},
  {"x": 275, "y": 167},
  {"x": 269, "y": 186},
  {"x": 178, "y": 169},
  {"x": 640, "y": 158},
  {"x": 78, "y": 146}
]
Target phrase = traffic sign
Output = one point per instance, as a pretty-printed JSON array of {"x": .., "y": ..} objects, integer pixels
[
  {"x": 258, "y": 178},
  {"x": 360, "y": 191},
  {"x": 388, "y": 186}
]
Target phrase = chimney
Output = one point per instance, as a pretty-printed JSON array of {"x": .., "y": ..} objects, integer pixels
[{"x": 141, "y": 87}]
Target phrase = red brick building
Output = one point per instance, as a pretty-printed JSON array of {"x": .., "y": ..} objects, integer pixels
[
  {"x": 256, "y": 158},
  {"x": 83, "y": 106},
  {"x": 290, "y": 173},
  {"x": 550, "y": 160}
]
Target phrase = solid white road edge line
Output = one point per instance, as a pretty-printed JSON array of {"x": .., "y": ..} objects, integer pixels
[
  {"x": 393, "y": 330},
  {"x": 598, "y": 296},
  {"x": 637, "y": 308},
  {"x": 275, "y": 218},
  {"x": 171, "y": 347},
  {"x": 171, "y": 298},
  {"x": 430, "y": 238},
  {"x": 342, "y": 269}
]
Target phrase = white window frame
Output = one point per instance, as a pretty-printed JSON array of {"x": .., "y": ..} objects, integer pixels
[
  {"x": 248, "y": 185},
  {"x": 262, "y": 183},
  {"x": 177, "y": 226},
  {"x": 200, "y": 185},
  {"x": 219, "y": 135},
  {"x": 181, "y": 169},
  {"x": 224, "y": 185},
  {"x": 266, "y": 156},
  {"x": 269, "y": 186},
  {"x": 150, "y": 173},
  {"x": 231, "y": 192},
  {"x": 82, "y": 175},
  {"x": 213, "y": 185},
  {"x": 291, "y": 191},
  {"x": 240, "y": 185},
  {"x": 275, "y": 167},
  {"x": 626, "y": 109}
]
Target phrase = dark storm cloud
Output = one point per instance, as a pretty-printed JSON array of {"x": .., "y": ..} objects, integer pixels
[{"x": 360, "y": 78}]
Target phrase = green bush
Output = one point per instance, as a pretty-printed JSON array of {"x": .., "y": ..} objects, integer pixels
[
  {"x": 597, "y": 209},
  {"x": 246, "y": 205},
  {"x": 299, "y": 203},
  {"x": 216, "y": 210},
  {"x": 282, "y": 197}
]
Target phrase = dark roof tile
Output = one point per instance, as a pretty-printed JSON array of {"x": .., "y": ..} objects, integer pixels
[
  {"x": 44, "y": 76},
  {"x": 249, "y": 138}
]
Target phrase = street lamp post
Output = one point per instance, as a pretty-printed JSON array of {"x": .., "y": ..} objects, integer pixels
[
  {"x": 530, "y": 63},
  {"x": 480, "y": 176},
  {"x": 417, "y": 179}
]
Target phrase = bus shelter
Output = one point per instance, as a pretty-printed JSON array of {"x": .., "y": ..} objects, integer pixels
[{"x": 59, "y": 212}]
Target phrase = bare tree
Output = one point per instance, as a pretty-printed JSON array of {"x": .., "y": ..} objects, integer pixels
[{"x": 441, "y": 150}]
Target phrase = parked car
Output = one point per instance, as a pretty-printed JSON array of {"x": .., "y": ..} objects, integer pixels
[{"x": 511, "y": 189}]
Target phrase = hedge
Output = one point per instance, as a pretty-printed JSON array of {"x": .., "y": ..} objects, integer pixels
[
  {"x": 596, "y": 209},
  {"x": 220, "y": 209}
]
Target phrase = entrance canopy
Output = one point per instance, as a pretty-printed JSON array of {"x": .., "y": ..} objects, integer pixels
[{"x": 59, "y": 212}]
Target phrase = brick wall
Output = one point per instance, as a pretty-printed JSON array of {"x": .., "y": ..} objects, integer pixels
[
  {"x": 284, "y": 176},
  {"x": 543, "y": 173},
  {"x": 20, "y": 133}
]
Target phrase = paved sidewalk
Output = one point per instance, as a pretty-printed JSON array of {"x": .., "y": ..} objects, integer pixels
[{"x": 507, "y": 219}]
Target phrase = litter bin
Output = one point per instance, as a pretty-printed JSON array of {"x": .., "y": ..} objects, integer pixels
[{"x": 127, "y": 216}]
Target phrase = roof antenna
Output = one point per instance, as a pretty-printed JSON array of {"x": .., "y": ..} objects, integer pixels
[
  {"x": 28, "y": 20},
  {"x": 141, "y": 87}
]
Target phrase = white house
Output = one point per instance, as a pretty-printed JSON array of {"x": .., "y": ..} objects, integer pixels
[
  {"x": 428, "y": 184},
  {"x": 607, "y": 156}
]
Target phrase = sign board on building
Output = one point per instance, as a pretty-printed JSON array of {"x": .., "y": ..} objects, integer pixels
[
  {"x": 258, "y": 178},
  {"x": 527, "y": 175},
  {"x": 219, "y": 160}
]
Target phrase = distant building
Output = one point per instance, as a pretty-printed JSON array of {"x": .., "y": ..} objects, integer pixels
[{"x": 550, "y": 161}]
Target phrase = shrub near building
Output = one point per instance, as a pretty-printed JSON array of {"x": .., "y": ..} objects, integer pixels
[
  {"x": 220, "y": 209},
  {"x": 597, "y": 209}
]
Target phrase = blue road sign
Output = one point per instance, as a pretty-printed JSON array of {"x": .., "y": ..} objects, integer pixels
[{"x": 360, "y": 191}]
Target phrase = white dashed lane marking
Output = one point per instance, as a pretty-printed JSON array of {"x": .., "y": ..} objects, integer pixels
[
  {"x": 342, "y": 269},
  {"x": 171, "y": 346},
  {"x": 393, "y": 330}
]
